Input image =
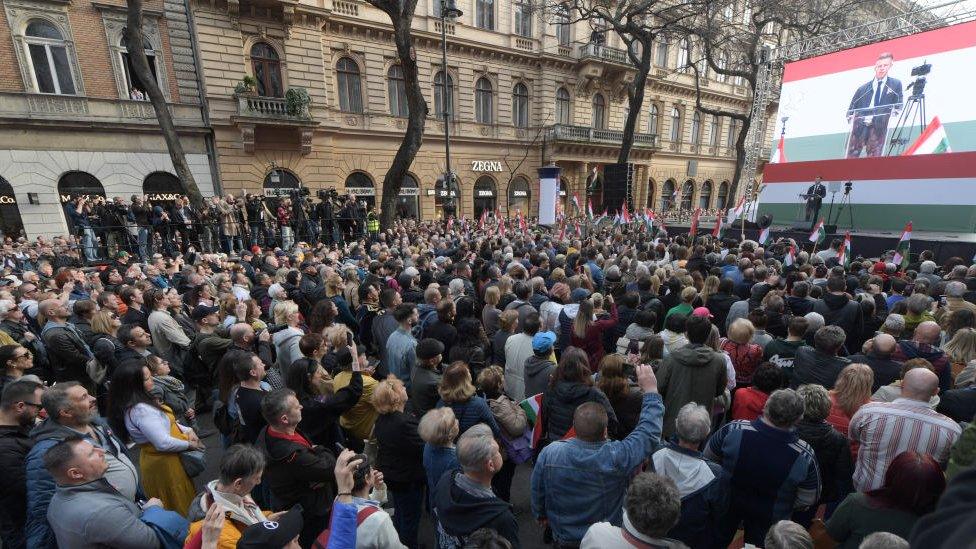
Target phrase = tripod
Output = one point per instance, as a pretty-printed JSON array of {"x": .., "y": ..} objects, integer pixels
[
  {"x": 845, "y": 202},
  {"x": 912, "y": 115}
]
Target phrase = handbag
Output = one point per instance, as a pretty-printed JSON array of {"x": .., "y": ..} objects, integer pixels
[{"x": 193, "y": 462}]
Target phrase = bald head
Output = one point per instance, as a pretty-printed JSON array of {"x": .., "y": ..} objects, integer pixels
[
  {"x": 884, "y": 345},
  {"x": 920, "y": 384},
  {"x": 928, "y": 332}
]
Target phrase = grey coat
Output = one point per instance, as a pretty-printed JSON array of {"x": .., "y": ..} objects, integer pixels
[{"x": 95, "y": 515}]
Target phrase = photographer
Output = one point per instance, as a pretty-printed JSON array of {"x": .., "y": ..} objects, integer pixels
[
  {"x": 325, "y": 211},
  {"x": 210, "y": 219},
  {"x": 284, "y": 221},
  {"x": 78, "y": 211},
  {"x": 160, "y": 223},
  {"x": 185, "y": 220},
  {"x": 141, "y": 214},
  {"x": 113, "y": 216},
  {"x": 258, "y": 216},
  {"x": 230, "y": 224}
]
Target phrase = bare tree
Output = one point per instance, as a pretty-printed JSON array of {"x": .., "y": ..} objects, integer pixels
[
  {"x": 638, "y": 23},
  {"x": 134, "y": 42},
  {"x": 735, "y": 40},
  {"x": 401, "y": 14}
]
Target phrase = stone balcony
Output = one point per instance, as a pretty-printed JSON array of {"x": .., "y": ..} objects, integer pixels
[
  {"x": 596, "y": 62},
  {"x": 254, "y": 111},
  {"x": 566, "y": 134}
]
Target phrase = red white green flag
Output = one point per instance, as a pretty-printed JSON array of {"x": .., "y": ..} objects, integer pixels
[
  {"x": 790, "y": 258},
  {"x": 764, "y": 237},
  {"x": 904, "y": 243},
  {"x": 576, "y": 204},
  {"x": 819, "y": 233},
  {"x": 694, "y": 223},
  {"x": 533, "y": 407},
  {"x": 589, "y": 209},
  {"x": 717, "y": 231},
  {"x": 736, "y": 212},
  {"x": 844, "y": 256}
]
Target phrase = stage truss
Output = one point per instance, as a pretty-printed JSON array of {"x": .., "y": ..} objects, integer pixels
[{"x": 771, "y": 72}]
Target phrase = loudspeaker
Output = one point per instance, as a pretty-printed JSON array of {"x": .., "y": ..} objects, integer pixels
[{"x": 618, "y": 181}]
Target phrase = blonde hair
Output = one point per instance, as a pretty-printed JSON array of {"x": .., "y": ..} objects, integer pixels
[
  {"x": 741, "y": 331},
  {"x": 709, "y": 288},
  {"x": 597, "y": 300},
  {"x": 492, "y": 295},
  {"x": 508, "y": 320},
  {"x": 455, "y": 385},
  {"x": 688, "y": 294},
  {"x": 101, "y": 322},
  {"x": 437, "y": 426},
  {"x": 333, "y": 285},
  {"x": 492, "y": 379},
  {"x": 962, "y": 347},
  {"x": 853, "y": 387},
  {"x": 387, "y": 397},
  {"x": 284, "y": 309}
]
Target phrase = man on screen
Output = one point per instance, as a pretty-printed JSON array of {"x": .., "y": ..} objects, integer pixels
[{"x": 871, "y": 107}]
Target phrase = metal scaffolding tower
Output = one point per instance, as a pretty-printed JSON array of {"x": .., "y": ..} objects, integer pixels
[{"x": 770, "y": 73}]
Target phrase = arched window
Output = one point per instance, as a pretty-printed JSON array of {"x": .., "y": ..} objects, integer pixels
[
  {"x": 705, "y": 196},
  {"x": 350, "y": 86},
  {"x": 563, "y": 27},
  {"x": 74, "y": 184},
  {"x": 667, "y": 195},
  {"x": 651, "y": 187},
  {"x": 684, "y": 54},
  {"x": 11, "y": 224},
  {"x": 439, "y": 96},
  {"x": 484, "y": 195},
  {"x": 518, "y": 196},
  {"x": 360, "y": 185},
  {"x": 687, "y": 194},
  {"x": 484, "y": 14},
  {"x": 675, "y": 125},
  {"x": 722, "y": 200},
  {"x": 562, "y": 106},
  {"x": 696, "y": 128},
  {"x": 408, "y": 201},
  {"x": 653, "y": 120},
  {"x": 267, "y": 70},
  {"x": 661, "y": 53},
  {"x": 599, "y": 112},
  {"x": 484, "y": 101},
  {"x": 713, "y": 132},
  {"x": 132, "y": 80},
  {"x": 278, "y": 183},
  {"x": 50, "y": 65},
  {"x": 520, "y": 105},
  {"x": 397, "y": 87},
  {"x": 163, "y": 188}
]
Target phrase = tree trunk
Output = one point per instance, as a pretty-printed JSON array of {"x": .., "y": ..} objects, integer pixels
[
  {"x": 740, "y": 159},
  {"x": 635, "y": 100},
  {"x": 137, "y": 53},
  {"x": 417, "y": 117}
]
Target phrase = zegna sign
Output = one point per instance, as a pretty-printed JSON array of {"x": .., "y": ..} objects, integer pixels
[{"x": 486, "y": 166}]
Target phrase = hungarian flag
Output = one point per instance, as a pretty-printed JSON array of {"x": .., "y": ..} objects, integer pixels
[
  {"x": 844, "y": 256},
  {"x": 779, "y": 155},
  {"x": 589, "y": 209},
  {"x": 481, "y": 222},
  {"x": 717, "y": 231},
  {"x": 562, "y": 232},
  {"x": 533, "y": 407},
  {"x": 734, "y": 213},
  {"x": 450, "y": 223},
  {"x": 599, "y": 218},
  {"x": 576, "y": 204},
  {"x": 625, "y": 214},
  {"x": 523, "y": 224},
  {"x": 764, "y": 237},
  {"x": 616, "y": 219},
  {"x": 694, "y": 223},
  {"x": 901, "y": 251},
  {"x": 819, "y": 234},
  {"x": 790, "y": 257},
  {"x": 579, "y": 231},
  {"x": 932, "y": 141}
]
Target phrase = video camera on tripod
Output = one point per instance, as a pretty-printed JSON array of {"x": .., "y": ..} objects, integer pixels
[{"x": 918, "y": 85}]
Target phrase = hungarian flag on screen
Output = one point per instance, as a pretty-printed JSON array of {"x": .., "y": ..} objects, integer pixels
[
  {"x": 904, "y": 243},
  {"x": 819, "y": 234},
  {"x": 932, "y": 141},
  {"x": 779, "y": 155}
]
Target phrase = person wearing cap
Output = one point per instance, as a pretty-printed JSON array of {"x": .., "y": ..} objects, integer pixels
[
  {"x": 539, "y": 367},
  {"x": 283, "y": 532},
  {"x": 297, "y": 470},
  {"x": 693, "y": 373},
  {"x": 208, "y": 346},
  {"x": 426, "y": 376}
]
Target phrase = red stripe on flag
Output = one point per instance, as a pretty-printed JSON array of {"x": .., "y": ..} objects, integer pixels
[
  {"x": 925, "y": 166},
  {"x": 917, "y": 45},
  {"x": 933, "y": 126}
]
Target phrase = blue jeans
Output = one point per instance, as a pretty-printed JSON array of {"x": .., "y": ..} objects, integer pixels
[
  {"x": 145, "y": 244},
  {"x": 408, "y": 505},
  {"x": 88, "y": 243}
]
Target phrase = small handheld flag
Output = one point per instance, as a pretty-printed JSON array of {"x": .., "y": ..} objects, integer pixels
[
  {"x": 904, "y": 245},
  {"x": 694, "y": 223},
  {"x": 764, "y": 237},
  {"x": 819, "y": 234}
]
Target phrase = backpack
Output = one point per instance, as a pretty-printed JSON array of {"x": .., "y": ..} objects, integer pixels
[
  {"x": 322, "y": 542},
  {"x": 227, "y": 425},
  {"x": 519, "y": 449}
]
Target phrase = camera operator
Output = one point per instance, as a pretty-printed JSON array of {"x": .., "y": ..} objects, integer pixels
[
  {"x": 325, "y": 211},
  {"x": 231, "y": 222},
  {"x": 347, "y": 217},
  {"x": 112, "y": 215},
  {"x": 142, "y": 215},
  {"x": 161, "y": 227},
  {"x": 185, "y": 220},
  {"x": 78, "y": 211},
  {"x": 258, "y": 216},
  {"x": 284, "y": 221},
  {"x": 210, "y": 219}
]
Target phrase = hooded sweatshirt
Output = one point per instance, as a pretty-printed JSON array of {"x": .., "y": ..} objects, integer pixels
[
  {"x": 461, "y": 507},
  {"x": 537, "y": 372},
  {"x": 566, "y": 318},
  {"x": 703, "y": 488},
  {"x": 838, "y": 310},
  {"x": 693, "y": 373},
  {"x": 286, "y": 345},
  {"x": 560, "y": 403}
]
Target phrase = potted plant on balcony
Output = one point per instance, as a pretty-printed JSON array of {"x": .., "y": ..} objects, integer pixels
[
  {"x": 246, "y": 85},
  {"x": 298, "y": 101}
]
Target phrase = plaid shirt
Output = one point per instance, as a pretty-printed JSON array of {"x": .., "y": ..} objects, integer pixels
[{"x": 886, "y": 429}]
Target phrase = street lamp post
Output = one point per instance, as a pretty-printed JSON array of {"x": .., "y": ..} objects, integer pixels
[{"x": 449, "y": 9}]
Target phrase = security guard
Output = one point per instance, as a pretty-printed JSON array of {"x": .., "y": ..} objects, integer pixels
[{"x": 372, "y": 224}]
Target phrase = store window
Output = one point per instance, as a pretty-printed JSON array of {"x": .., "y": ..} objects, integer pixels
[
  {"x": 163, "y": 188},
  {"x": 408, "y": 201},
  {"x": 519, "y": 197},
  {"x": 667, "y": 195},
  {"x": 360, "y": 185},
  {"x": 11, "y": 224},
  {"x": 484, "y": 196},
  {"x": 705, "y": 196},
  {"x": 75, "y": 184}
]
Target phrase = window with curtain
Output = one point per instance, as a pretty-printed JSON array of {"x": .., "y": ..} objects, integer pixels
[
  {"x": 523, "y": 19},
  {"x": 397, "y": 87},
  {"x": 484, "y": 14},
  {"x": 132, "y": 79},
  {"x": 350, "y": 86},
  {"x": 563, "y": 27},
  {"x": 696, "y": 128},
  {"x": 267, "y": 70},
  {"x": 653, "y": 121},
  {"x": 687, "y": 194},
  {"x": 713, "y": 132},
  {"x": 439, "y": 94},
  {"x": 722, "y": 63},
  {"x": 675, "y": 124},
  {"x": 48, "y": 52},
  {"x": 520, "y": 105},
  {"x": 667, "y": 195},
  {"x": 563, "y": 115},
  {"x": 599, "y": 112},
  {"x": 484, "y": 101},
  {"x": 661, "y": 53}
]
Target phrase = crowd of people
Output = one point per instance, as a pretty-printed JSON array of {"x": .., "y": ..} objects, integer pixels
[{"x": 656, "y": 391}]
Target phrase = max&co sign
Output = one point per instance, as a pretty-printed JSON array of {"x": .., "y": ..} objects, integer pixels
[{"x": 7, "y": 199}]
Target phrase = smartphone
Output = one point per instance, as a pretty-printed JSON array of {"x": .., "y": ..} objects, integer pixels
[
  {"x": 942, "y": 301},
  {"x": 909, "y": 289},
  {"x": 349, "y": 339}
]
